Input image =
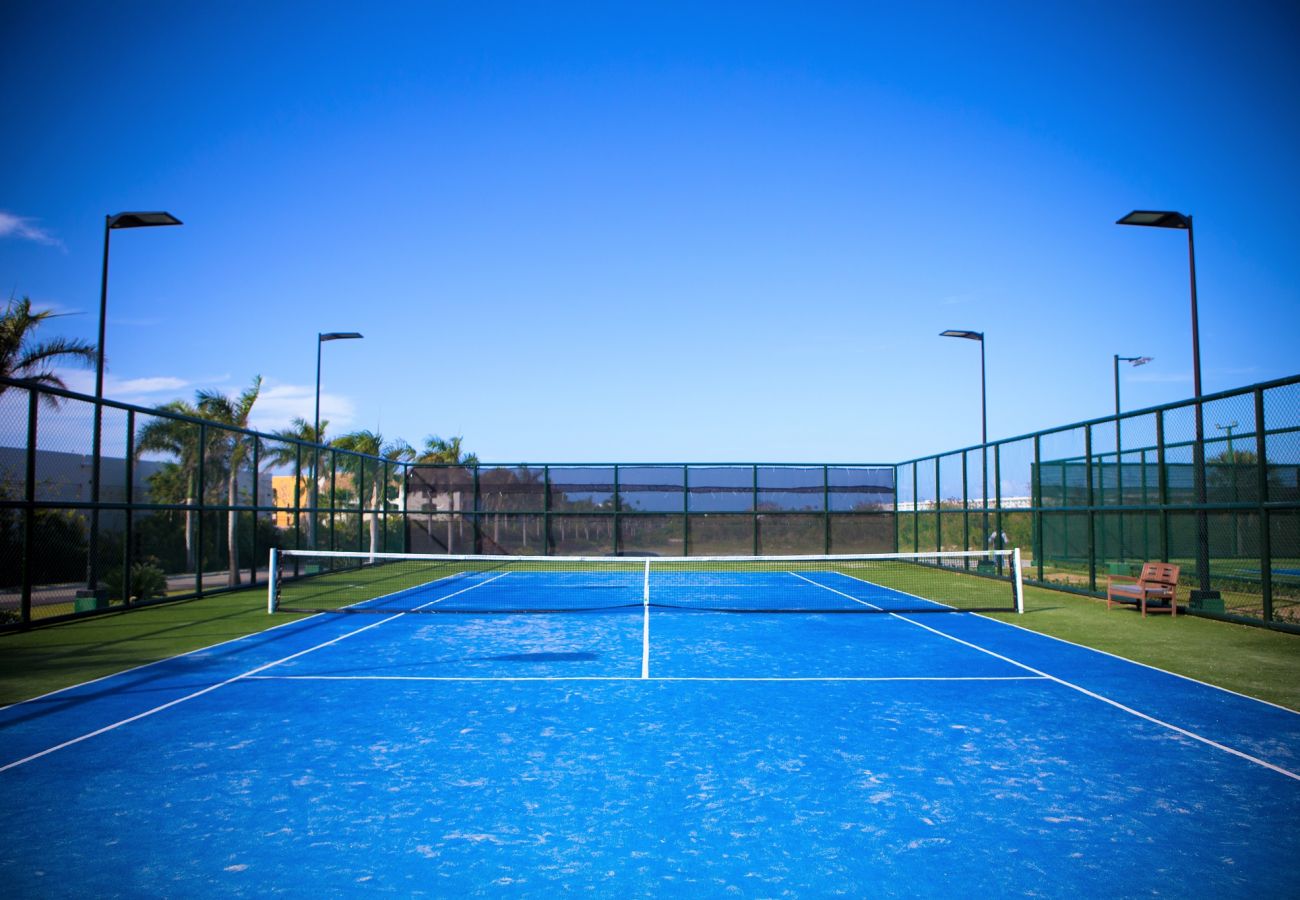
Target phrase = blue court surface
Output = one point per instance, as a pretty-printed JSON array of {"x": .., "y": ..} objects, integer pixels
[{"x": 649, "y": 752}]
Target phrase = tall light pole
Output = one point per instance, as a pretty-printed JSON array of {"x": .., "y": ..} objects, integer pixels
[
  {"x": 1170, "y": 219},
  {"x": 321, "y": 338},
  {"x": 111, "y": 223},
  {"x": 1135, "y": 361},
  {"x": 984, "y": 424}
]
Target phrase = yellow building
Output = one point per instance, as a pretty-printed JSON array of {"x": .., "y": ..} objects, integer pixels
[{"x": 282, "y": 494}]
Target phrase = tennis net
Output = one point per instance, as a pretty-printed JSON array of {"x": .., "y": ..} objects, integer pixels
[{"x": 359, "y": 582}]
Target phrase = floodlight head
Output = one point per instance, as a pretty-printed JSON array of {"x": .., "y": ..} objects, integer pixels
[
  {"x": 1135, "y": 361},
  {"x": 1156, "y": 219},
  {"x": 142, "y": 219},
  {"x": 339, "y": 336},
  {"x": 968, "y": 335}
]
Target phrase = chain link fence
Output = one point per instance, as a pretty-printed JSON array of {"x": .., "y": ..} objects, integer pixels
[
  {"x": 661, "y": 510},
  {"x": 183, "y": 507},
  {"x": 179, "y": 507},
  {"x": 1099, "y": 498}
]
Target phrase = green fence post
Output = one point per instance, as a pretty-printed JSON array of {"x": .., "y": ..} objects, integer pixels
[
  {"x": 754, "y": 506},
  {"x": 938, "y": 516},
  {"x": 478, "y": 506},
  {"x": 965, "y": 504},
  {"x": 128, "y": 532},
  {"x": 618, "y": 521},
  {"x": 257, "y": 508},
  {"x": 1119, "y": 484},
  {"x": 1146, "y": 514},
  {"x": 1036, "y": 508},
  {"x": 916, "y": 509},
  {"x": 297, "y": 502},
  {"x": 1162, "y": 485},
  {"x": 361, "y": 502},
  {"x": 997, "y": 543},
  {"x": 382, "y": 513},
  {"x": 686, "y": 510},
  {"x": 826, "y": 509},
  {"x": 1265, "y": 525},
  {"x": 405, "y": 511},
  {"x": 1090, "y": 487},
  {"x": 334, "y": 498},
  {"x": 546, "y": 511},
  {"x": 200, "y": 509},
  {"x": 29, "y": 511}
]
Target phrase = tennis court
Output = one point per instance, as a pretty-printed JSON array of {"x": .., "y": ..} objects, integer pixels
[{"x": 643, "y": 736}]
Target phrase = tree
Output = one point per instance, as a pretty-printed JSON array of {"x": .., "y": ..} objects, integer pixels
[
  {"x": 286, "y": 454},
  {"x": 178, "y": 482},
  {"x": 371, "y": 444},
  {"x": 233, "y": 446},
  {"x": 23, "y": 358},
  {"x": 446, "y": 452}
]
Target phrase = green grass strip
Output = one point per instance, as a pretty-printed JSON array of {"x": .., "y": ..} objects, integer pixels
[{"x": 1252, "y": 661}]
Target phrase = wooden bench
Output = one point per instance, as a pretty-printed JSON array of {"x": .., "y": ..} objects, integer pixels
[{"x": 1158, "y": 582}]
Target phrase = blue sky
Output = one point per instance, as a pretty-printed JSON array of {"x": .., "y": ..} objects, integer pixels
[{"x": 654, "y": 232}]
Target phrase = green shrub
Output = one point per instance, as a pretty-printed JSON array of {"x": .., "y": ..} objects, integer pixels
[{"x": 147, "y": 581}]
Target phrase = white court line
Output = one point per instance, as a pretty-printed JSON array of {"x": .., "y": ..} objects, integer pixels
[
  {"x": 833, "y": 591},
  {"x": 705, "y": 678},
  {"x": 1082, "y": 690},
  {"x": 212, "y": 687},
  {"x": 645, "y": 639},
  {"x": 1217, "y": 687}
]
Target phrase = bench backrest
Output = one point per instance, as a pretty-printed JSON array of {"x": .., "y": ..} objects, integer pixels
[{"x": 1158, "y": 573}]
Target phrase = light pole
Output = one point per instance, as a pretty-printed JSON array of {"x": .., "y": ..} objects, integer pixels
[
  {"x": 984, "y": 425},
  {"x": 1135, "y": 361},
  {"x": 1169, "y": 219},
  {"x": 321, "y": 338},
  {"x": 111, "y": 223}
]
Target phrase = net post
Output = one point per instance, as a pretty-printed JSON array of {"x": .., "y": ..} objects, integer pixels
[
  {"x": 645, "y": 594},
  {"x": 272, "y": 580},
  {"x": 1019, "y": 581}
]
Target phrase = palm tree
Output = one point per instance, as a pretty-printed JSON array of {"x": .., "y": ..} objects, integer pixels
[
  {"x": 286, "y": 454},
  {"x": 180, "y": 439},
  {"x": 372, "y": 444},
  {"x": 21, "y": 357},
  {"x": 400, "y": 452},
  {"x": 446, "y": 452},
  {"x": 438, "y": 451},
  {"x": 234, "y": 414}
]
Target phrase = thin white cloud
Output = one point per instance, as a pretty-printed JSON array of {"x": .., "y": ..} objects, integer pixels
[
  {"x": 279, "y": 404},
  {"x": 12, "y": 226},
  {"x": 152, "y": 385},
  {"x": 145, "y": 391}
]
